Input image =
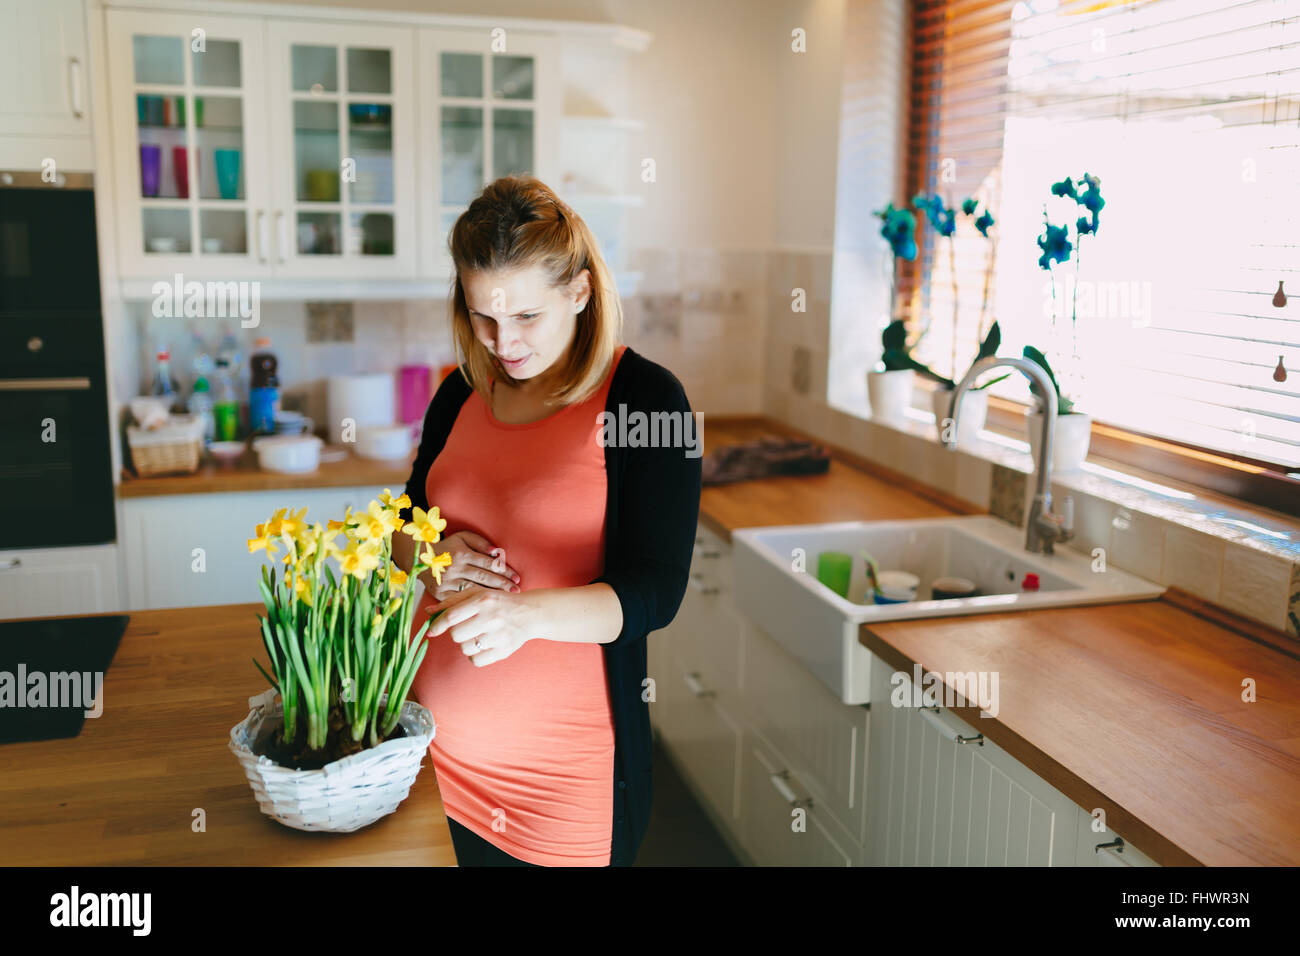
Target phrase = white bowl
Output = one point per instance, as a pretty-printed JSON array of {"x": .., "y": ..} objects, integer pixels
[
  {"x": 288, "y": 453},
  {"x": 226, "y": 453},
  {"x": 384, "y": 442}
]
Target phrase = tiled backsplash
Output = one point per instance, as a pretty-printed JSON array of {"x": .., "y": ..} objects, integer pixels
[
  {"x": 700, "y": 313},
  {"x": 1218, "y": 550}
]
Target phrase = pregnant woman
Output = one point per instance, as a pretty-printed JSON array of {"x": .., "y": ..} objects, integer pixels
[{"x": 570, "y": 539}]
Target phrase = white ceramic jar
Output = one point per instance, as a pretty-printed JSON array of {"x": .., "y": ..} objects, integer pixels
[
  {"x": 1070, "y": 441},
  {"x": 890, "y": 394}
]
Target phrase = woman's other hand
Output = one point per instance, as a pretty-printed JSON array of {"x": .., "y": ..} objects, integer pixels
[
  {"x": 489, "y": 625},
  {"x": 474, "y": 560}
]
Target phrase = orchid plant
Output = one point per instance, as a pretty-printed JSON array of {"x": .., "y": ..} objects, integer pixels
[
  {"x": 341, "y": 644},
  {"x": 1056, "y": 247},
  {"x": 943, "y": 219}
]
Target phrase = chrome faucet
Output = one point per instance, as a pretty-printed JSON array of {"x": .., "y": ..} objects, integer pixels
[{"x": 1044, "y": 527}]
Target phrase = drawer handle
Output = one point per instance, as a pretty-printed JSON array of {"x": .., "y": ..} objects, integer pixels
[
  {"x": 697, "y": 582},
  {"x": 780, "y": 780},
  {"x": 703, "y": 553},
  {"x": 931, "y": 717},
  {"x": 8, "y": 564},
  {"x": 1116, "y": 844},
  {"x": 693, "y": 684}
]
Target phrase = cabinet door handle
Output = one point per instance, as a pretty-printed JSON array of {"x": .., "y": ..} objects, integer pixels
[
  {"x": 931, "y": 717},
  {"x": 780, "y": 780},
  {"x": 262, "y": 240},
  {"x": 695, "y": 687},
  {"x": 697, "y": 582},
  {"x": 280, "y": 242},
  {"x": 74, "y": 86}
]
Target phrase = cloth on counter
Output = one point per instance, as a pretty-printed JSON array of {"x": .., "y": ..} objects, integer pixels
[{"x": 767, "y": 457}]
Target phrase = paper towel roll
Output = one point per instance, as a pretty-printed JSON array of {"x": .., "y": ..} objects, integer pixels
[{"x": 366, "y": 399}]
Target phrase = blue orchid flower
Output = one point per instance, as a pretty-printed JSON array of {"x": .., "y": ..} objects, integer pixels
[
  {"x": 983, "y": 222},
  {"x": 898, "y": 229},
  {"x": 942, "y": 218},
  {"x": 1056, "y": 246},
  {"x": 968, "y": 206},
  {"x": 1065, "y": 188}
]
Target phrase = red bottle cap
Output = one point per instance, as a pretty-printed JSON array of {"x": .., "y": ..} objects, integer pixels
[{"x": 1030, "y": 582}]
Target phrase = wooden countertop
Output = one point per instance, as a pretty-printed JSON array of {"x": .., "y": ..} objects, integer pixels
[
  {"x": 1137, "y": 709},
  {"x": 123, "y": 791},
  {"x": 352, "y": 471}
]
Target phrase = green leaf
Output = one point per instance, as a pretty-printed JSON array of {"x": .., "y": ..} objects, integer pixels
[{"x": 266, "y": 675}]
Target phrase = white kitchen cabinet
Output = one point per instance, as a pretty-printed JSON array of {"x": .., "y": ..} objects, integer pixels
[
  {"x": 782, "y": 823},
  {"x": 192, "y": 550},
  {"x": 938, "y": 801},
  {"x": 46, "y": 582},
  {"x": 343, "y": 131},
  {"x": 490, "y": 107},
  {"x": 44, "y": 92},
  {"x": 1105, "y": 847},
  {"x": 826, "y": 738},
  {"x": 191, "y": 154}
]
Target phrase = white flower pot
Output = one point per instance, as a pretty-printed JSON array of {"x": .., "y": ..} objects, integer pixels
[
  {"x": 342, "y": 796},
  {"x": 974, "y": 412},
  {"x": 890, "y": 394},
  {"x": 1069, "y": 442}
]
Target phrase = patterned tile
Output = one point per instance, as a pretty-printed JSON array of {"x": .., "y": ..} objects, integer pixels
[{"x": 1007, "y": 495}]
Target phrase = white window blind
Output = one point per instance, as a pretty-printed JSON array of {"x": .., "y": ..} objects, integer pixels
[{"x": 1189, "y": 112}]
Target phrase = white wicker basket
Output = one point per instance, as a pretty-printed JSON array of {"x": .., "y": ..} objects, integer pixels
[{"x": 340, "y": 797}]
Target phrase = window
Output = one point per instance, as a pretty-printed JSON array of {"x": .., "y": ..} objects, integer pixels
[{"x": 1189, "y": 113}]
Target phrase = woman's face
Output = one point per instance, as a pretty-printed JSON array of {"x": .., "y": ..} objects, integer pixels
[{"x": 521, "y": 320}]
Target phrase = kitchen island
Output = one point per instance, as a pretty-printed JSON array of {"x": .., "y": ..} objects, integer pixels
[{"x": 129, "y": 788}]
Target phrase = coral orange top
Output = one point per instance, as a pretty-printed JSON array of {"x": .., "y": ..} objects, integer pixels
[{"x": 524, "y": 747}]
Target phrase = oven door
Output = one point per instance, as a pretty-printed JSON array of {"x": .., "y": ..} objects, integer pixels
[
  {"x": 48, "y": 257},
  {"x": 56, "y": 482}
]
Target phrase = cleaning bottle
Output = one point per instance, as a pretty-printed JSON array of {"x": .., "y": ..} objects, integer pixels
[
  {"x": 264, "y": 389},
  {"x": 200, "y": 404},
  {"x": 225, "y": 405}
]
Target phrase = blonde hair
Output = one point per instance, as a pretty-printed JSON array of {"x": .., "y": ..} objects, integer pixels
[{"x": 518, "y": 222}]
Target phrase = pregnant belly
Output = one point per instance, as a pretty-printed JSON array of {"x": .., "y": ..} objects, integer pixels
[{"x": 547, "y": 699}]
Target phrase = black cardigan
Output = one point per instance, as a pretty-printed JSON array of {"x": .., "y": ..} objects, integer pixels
[{"x": 653, "y": 506}]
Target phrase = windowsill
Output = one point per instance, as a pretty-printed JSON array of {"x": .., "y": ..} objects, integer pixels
[{"x": 1122, "y": 485}]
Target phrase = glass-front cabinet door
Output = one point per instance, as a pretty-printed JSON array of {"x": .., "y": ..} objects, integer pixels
[
  {"x": 188, "y": 95},
  {"x": 343, "y": 144},
  {"x": 490, "y": 103}
]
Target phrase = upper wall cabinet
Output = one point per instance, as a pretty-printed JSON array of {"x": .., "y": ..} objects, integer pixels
[
  {"x": 343, "y": 137},
  {"x": 263, "y": 149},
  {"x": 44, "y": 96},
  {"x": 490, "y": 104},
  {"x": 191, "y": 154}
]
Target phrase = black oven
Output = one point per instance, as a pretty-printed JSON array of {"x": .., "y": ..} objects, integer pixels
[{"x": 56, "y": 481}]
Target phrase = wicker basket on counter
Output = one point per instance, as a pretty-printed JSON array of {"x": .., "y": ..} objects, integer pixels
[
  {"x": 342, "y": 796},
  {"x": 171, "y": 449}
]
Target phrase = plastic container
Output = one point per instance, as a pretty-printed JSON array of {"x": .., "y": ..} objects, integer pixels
[
  {"x": 288, "y": 454},
  {"x": 200, "y": 406}
]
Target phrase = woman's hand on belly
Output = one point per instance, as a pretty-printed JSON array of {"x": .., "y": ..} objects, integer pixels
[{"x": 474, "y": 560}]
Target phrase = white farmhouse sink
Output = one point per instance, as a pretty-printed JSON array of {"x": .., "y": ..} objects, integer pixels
[{"x": 820, "y": 628}]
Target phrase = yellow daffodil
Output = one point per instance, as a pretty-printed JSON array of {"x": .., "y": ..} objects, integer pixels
[
  {"x": 427, "y": 525},
  {"x": 295, "y": 524},
  {"x": 394, "y": 504},
  {"x": 376, "y": 623},
  {"x": 393, "y": 605},
  {"x": 396, "y": 576},
  {"x": 378, "y": 522},
  {"x": 265, "y": 539},
  {"x": 273, "y": 526},
  {"x": 301, "y": 588},
  {"x": 436, "y": 562},
  {"x": 360, "y": 558}
]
